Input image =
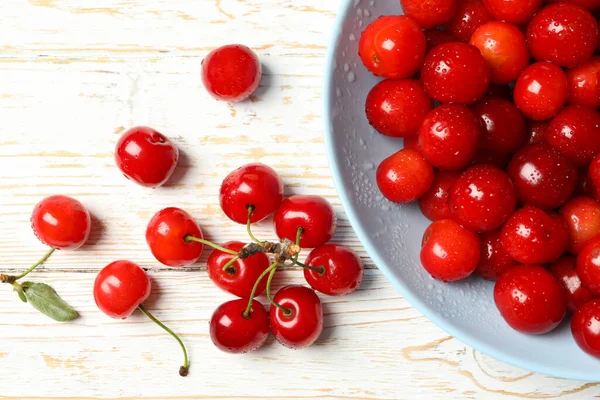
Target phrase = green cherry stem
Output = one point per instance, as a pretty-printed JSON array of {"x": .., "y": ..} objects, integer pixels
[
  {"x": 230, "y": 262},
  {"x": 37, "y": 264},
  {"x": 286, "y": 311},
  {"x": 320, "y": 270},
  {"x": 272, "y": 267},
  {"x": 183, "y": 370},
  {"x": 299, "y": 233},
  {"x": 190, "y": 238},
  {"x": 249, "y": 224}
]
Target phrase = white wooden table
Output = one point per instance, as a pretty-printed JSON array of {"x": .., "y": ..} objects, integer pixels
[{"x": 74, "y": 74}]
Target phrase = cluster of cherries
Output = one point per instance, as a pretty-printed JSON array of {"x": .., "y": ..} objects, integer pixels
[
  {"x": 508, "y": 164},
  {"x": 248, "y": 195}
]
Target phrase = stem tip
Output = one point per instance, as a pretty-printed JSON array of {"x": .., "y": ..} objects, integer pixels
[{"x": 183, "y": 371}]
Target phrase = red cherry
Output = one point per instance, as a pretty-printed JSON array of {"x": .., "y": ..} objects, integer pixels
[
  {"x": 232, "y": 332},
  {"x": 434, "y": 203},
  {"x": 543, "y": 176},
  {"x": 488, "y": 157},
  {"x": 412, "y": 143},
  {"x": 582, "y": 215},
  {"x": 541, "y": 91},
  {"x": 392, "y": 46},
  {"x": 429, "y": 13},
  {"x": 449, "y": 137},
  {"x": 449, "y": 252},
  {"x": 588, "y": 265},
  {"x": 565, "y": 34},
  {"x": 514, "y": 11},
  {"x": 239, "y": 278},
  {"x": 313, "y": 214},
  {"x": 455, "y": 73},
  {"x": 494, "y": 258},
  {"x": 304, "y": 324},
  {"x": 120, "y": 288},
  {"x": 231, "y": 73},
  {"x": 576, "y": 295},
  {"x": 146, "y": 156},
  {"x": 589, "y": 4},
  {"x": 530, "y": 299},
  {"x": 585, "y": 187},
  {"x": 594, "y": 177},
  {"x": 470, "y": 15},
  {"x": 537, "y": 132},
  {"x": 504, "y": 125},
  {"x": 584, "y": 327},
  {"x": 575, "y": 133},
  {"x": 255, "y": 185},
  {"x": 504, "y": 47},
  {"x": 583, "y": 83},
  {"x": 532, "y": 236},
  {"x": 482, "y": 198},
  {"x": 404, "y": 176},
  {"x": 436, "y": 37},
  {"x": 61, "y": 222},
  {"x": 166, "y": 234},
  {"x": 397, "y": 107},
  {"x": 343, "y": 270}
]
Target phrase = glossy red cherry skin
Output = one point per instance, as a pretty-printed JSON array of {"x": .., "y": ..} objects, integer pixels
[
  {"x": 434, "y": 203},
  {"x": 231, "y": 332},
  {"x": 435, "y": 37},
  {"x": 576, "y": 295},
  {"x": 404, "y": 176},
  {"x": 343, "y": 270},
  {"x": 449, "y": 252},
  {"x": 256, "y": 185},
  {"x": 504, "y": 47},
  {"x": 61, "y": 222},
  {"x": 588, "y": 265},
  {"x": 392, "y": 46},
  {"x": 565, "y": 34},
  {"x": 231, "y": 72},
  {"x": 585, "y": 329},
  {"x": 543, "y": 176},
  {"x": 516, "y": 12},
  {"x": 541, "y": 91},
  {"x": 575, "y": 132},
  {"x": 449, "y": 137},
  {"x": 482, "y": 198},
  {"x": 455, "y": 73},
  {"x": 537, "y": 132},
  {"x": 503, "y": 125},
  {"x": 583, "y": 80},
  {"x": 166, "y": 234},
  {"x": 305, "y": 324},
  {"x": 396, "y": 107},
  {"x": 530, "y": 299},
  {"x": 120, "y": 288},
  {"x": 411, "y": 143},
  {"x": 429, "y": 13},
  {"x": 146, "y": 156},
  {"x": 582, "y": 215},
  {"x": 470, "y": 15},
  {"x": 239, "y": 279},
  {"x": 313, "y": 214},
  {"x": 494, "y": 259},
  {"x": 532, "y": 236}
]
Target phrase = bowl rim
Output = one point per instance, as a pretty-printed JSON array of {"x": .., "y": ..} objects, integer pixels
[{"x": 332, "y": 155}]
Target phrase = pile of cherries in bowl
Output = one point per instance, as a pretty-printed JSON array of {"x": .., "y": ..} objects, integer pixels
[{"x": 496, "y": 101}]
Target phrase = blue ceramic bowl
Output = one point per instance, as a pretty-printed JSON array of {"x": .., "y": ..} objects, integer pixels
[{"x": 392, "y": 233}]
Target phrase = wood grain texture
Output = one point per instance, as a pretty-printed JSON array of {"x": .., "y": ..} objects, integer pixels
[{"x": 75, "y": 74}]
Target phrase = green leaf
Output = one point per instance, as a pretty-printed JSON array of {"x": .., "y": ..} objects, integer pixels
[
  {"x": 21, "y": 294},
  {"x": 47, "y": 301}
]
